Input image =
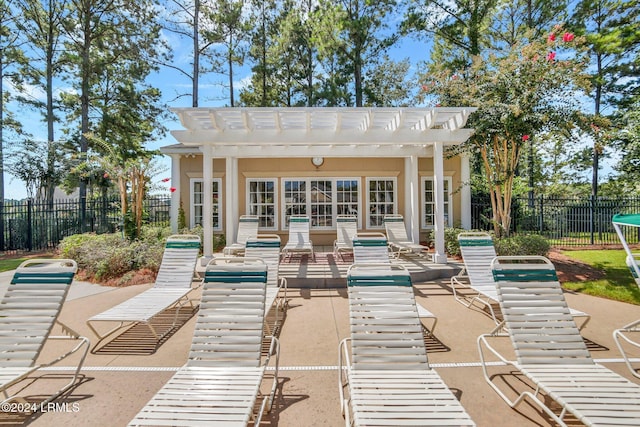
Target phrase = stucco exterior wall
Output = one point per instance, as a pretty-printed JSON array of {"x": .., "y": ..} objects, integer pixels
[{"x": 279, "y": 168}]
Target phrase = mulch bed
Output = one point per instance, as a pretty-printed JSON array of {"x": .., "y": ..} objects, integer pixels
[{"x": 572, "y": 270}]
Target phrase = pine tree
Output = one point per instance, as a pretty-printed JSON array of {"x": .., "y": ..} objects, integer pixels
[{"x": 612, "y": 32}]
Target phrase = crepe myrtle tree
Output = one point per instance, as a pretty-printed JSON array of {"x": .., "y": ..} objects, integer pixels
[{"x": 522, "y": 92}]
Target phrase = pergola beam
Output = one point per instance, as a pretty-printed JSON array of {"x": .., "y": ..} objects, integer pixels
[
  {"x": 236, "y": 133},
  {"x": 319, "y": 137}
]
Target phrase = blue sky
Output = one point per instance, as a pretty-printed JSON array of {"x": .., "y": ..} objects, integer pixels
[{"x": 172, "y": 83}]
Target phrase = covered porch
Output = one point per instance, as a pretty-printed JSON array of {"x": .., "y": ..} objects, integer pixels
[{"x": 348, "y": 137}]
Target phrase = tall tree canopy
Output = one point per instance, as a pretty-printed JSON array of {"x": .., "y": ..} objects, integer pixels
[
  {"x": 523, "y": 92},
  {"x": 90, "y": 64},
  {"x": 612, "y": 31},
  {"x": 354, "y": 32},
  {"x": 10, "y": 55}
]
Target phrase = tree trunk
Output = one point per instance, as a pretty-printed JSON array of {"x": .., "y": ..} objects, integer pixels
[
  {"x": 230, "y": 64},
  {"x": 500, "y": 177},
  {"x": 196, "y": 54},
  {"x": 51, "y": 153},
  {"x": 1, "y": 140},
  {"x": 84, "y": 108}
]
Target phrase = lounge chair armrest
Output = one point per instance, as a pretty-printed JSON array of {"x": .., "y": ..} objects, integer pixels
[
  {"x": 283, "y": 286},
  {"x": 70, "y": 333},
  {"x": 623, "y": 341},
  {"x": 199, "y": 281},
  {"x": 631, "y": 327},
  {"x": 274, "y": 348},
  {"x": 483, "y": 342},
  {"x": 456, "y": 280},
  {"x": 344, "y": 363},
  {"x": 619, "y": 334},
  {"x": 83, "y": 341}
]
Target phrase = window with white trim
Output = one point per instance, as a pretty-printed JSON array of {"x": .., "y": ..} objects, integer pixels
[
  {"x": 197, "y": 202},
  {"x": 261, "y": 202},
  {"x": 320, "y": 199},
  {"x": 429, "y": 204},
  {"x": 347, "y": 196},
  {"x": 295, "y": 199},
  {"x": 381, "y": 200},
  {"x": 321, "y": 203}
]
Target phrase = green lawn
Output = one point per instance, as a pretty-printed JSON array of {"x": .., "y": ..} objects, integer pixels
[
  {"x": 618, "y": 283},
  {"x": 10, "y": 264}
]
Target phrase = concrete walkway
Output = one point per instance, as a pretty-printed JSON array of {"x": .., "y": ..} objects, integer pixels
[{"x": 116, "y": 385}]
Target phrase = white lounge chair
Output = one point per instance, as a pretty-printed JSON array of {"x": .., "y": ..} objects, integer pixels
[
  {"x": 550, "y": 351},
  {"x": 372, "y": 248},
  {"x": 267, "y": 248},
  {"x": 171, "y": 290},
  {"x": 384, "y": 376},
  {"x": 299, "y": 241},
  {"x": 477, "y": 253},
  {"x": 628, "y": 335},
  {"x": 346, "y": 228},
  {"x": 399, "y": 240},
  {"x": 247, "y": 228},
  {"x": 220, "y": 383},
  {"x": 28, "y": 314}
]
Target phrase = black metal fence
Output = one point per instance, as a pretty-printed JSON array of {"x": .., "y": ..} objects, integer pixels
[
  {"x": 36, "y": 226},
  {"x": 564, "y": 221}
]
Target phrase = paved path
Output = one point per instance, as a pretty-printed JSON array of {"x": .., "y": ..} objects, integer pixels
[{"x": 116, "y": 386}]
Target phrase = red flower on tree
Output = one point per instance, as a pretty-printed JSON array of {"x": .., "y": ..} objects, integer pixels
[
  {"x": 551, "y": 38},
  {"x": 551, "y": 56},
  {"x": 105, "y": 175},
  {"x": 568, "y": 37},
  {"x": 166, "y": 179},
  {"x": 173, "y": 189},
  {"x": 525, "y": 137}
]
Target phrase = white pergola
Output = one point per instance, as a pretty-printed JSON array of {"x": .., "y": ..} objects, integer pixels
[{"x": 233, "y": 133}]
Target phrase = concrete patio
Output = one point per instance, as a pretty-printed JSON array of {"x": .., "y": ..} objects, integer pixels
[{"x": 118, "y": 381}]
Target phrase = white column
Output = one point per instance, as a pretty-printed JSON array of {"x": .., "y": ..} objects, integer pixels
[
  {"x": 175, "y": 196},
  {"x": 207, "y": 200},
  {"x": 412, "y": 197},
  {"x": 440, "y": 256},
  {"x": 465, "y": 191},
  {"x": 231, "y": 199}
]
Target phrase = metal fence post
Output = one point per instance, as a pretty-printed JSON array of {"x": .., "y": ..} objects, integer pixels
[
  {"x": 541, "y": 214},
  {"x": 592, "y": 218},
  {"x": 2, "y": 246},
  {"x": 29, "y": 225}
]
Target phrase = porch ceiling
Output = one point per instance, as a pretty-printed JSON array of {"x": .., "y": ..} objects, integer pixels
[{"x": 298, "y": 131}]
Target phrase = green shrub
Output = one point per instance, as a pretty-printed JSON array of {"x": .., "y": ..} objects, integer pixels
[
  {"x": 182, "y": 218},
  {"x": 117, "y": 261},
  {"x": 219, "y": 240},
  {"x": 91, "y": 251},
  {"x": 73, "y": 246},
  {"x": 107, "y": 256},
  {"x": 523, "y": 244},
  {"x": 197, "y": 230},
  {"x": 154, "y": 233},
  {"x": 451, "y": 245}
]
